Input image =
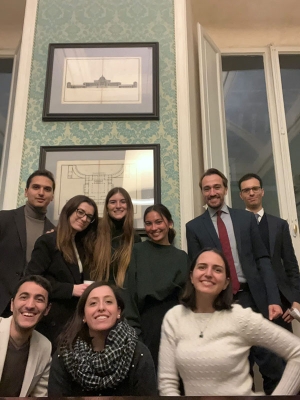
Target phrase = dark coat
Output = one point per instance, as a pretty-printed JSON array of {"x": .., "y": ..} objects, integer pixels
[
  {"x": 13, "y": 251},
  {"x": 253, "y": 255},
  {"x": 48, "y": 261},
  {"x": 141, "y": 379},
  {"x": 283, "y": 258}
]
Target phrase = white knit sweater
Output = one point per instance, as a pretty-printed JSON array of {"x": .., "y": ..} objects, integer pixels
[{"x": 217, "y": 364}]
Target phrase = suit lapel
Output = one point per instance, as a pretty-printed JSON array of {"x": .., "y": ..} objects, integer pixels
[
  {"x": 207, "y": 222},
  {"x": 19, "y": 218},
  {"x": 48, "y": 225},
  {"x": 272, "y": 227},
  {"x": 236, "y": 228},
  {"x": 4, "y": 338}
]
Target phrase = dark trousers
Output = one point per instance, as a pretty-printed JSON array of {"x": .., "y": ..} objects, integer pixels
[{"x": 270, "y": 365}]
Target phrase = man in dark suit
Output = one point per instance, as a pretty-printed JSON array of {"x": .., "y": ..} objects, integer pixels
[
  {"x": 276, "y": 236},
  {"x": 19, "y": 229},
  {"x": 251, "y": 264}
]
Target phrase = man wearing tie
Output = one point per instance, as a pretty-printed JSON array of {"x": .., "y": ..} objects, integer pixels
[
  {"x": 276, "y": 236},
  {"x": 236, "y": 233}
]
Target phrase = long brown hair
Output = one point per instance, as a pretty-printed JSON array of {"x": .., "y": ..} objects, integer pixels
[
  {"x": 103, "y": 249},
  {"x": 86, "y": 238}
]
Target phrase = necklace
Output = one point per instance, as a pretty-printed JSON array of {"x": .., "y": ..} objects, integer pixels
[{"x": 205, "y": 320}]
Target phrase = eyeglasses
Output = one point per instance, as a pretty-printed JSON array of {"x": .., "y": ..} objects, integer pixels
[
  {"x": 81, "y": 214},
  {"x": 254, "y": 189}
]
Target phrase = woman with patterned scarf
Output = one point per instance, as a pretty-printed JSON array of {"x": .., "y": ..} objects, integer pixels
[{"x": 99, "y": 353}]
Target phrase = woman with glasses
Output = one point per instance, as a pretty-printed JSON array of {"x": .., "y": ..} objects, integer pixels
[
  {"x": 64, "y": 257},
  {"x": 115, "y": 238}
]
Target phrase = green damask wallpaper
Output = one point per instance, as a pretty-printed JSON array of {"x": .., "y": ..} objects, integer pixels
[{"x": 71, "y": 21}]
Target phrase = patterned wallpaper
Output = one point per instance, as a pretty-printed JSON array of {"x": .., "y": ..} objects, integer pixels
[{"x": 71, "y": 21}]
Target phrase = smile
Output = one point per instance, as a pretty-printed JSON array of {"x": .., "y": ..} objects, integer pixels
[{"x": 102, "y": 317}]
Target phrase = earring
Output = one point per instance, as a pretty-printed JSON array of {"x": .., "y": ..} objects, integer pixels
[
  {"x": 119, "y": 316},
  {"x": 83, "y": 320}
]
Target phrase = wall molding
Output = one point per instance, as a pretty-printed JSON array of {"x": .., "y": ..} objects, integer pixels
[
  {"x": 20, "y": 107},
  {"x": 183, "y": 116}
]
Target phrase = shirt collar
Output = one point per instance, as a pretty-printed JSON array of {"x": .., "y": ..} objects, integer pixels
[
  {"x": 213, "y": 211},
  {"x": 260, "y": 212}
]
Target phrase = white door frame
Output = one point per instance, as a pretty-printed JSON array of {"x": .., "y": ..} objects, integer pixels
[{"x": 11, "y": 187}]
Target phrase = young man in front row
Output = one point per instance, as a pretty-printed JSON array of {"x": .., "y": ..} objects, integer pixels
[{"x": 25, "y": 355}]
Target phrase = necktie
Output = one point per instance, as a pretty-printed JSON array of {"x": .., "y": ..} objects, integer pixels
[
  {"x": 225, "y": 243},
  {"x": 257, "y": 216}
]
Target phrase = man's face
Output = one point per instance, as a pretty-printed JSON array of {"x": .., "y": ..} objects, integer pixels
[
  {"x": 40, "y": 192},
  {"x": 251, "y": 193},
  {"x": 29, "y": 306},
  {"x": 213, "y": 191}
]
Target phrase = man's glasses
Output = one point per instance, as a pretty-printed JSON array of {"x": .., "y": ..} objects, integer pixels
[
  {"x": 254, "y": 189},
  {"x": 81, "y": 214}
]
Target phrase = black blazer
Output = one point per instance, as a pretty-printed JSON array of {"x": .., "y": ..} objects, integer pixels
[
  {"x": 284, "y": 261},
  {"x": 254, "y": 258},
  {"x": 13, "y": 251},
  {"x": 48, "y": 261}
]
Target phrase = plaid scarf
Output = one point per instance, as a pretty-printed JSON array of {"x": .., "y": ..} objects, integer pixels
[{"x": 96, "y": 370}]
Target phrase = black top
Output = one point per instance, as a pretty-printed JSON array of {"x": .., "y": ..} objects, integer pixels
[
  {"x": 141, "y": 379},
  {"x": 116, "y": 242}
]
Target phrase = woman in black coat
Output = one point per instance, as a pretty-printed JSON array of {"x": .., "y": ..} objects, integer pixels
[
  {"x": 99, "y": 353},
  {"x": 63, "y": 257}
]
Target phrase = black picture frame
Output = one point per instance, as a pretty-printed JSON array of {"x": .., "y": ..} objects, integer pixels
[
  {"x": 102, "y": 81},
  {"x": 94, "y": 170}
]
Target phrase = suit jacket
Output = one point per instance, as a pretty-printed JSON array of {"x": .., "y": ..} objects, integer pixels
[
  {"x": 13, "y": 251},
  {"x": 253, "y": 255},
  {"x": 48, "y": 261},
  {"x": 35, "y": 383},
  {"x": 284, "y": 261}
]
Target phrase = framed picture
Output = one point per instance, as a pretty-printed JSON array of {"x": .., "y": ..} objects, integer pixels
[
  {"x": 101, "y": 81},
  {"x": 94, "y": 170}
]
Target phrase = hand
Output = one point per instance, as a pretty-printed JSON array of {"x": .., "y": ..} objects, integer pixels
[
  {"x": 79, "y": 289},
  {"x": 286, "y": 316},
  {"x": 52, "y": 230},
  {"x": 274, "y": 311}
]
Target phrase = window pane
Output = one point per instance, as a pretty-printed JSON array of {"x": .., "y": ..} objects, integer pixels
[
  {"x": 6, "y": 66},
  {"x": 290, "y": 77},
  {"x": 248, "y": 127}
]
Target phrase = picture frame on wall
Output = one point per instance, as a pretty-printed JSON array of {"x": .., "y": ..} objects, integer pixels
[
  {"x": 102, "y": 81},
  {"x": 94, "y": 170}
]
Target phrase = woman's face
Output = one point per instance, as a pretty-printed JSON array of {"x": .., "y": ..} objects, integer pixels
[
  {"x": 81, "y": 217},
  {"x": 209, "y": 274},
  {"x": 101, "y": 310},
  {"x": 157, "y": 227},
  {"x": 117, "y": 206}
]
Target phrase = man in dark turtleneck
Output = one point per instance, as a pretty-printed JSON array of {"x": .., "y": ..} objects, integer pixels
[{"x": 19, "y": 229}]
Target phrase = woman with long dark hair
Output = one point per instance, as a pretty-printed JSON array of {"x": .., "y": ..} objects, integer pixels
[
  {"x": 206, "y": 340},
  {"x": 156, "y": 275},
  {"x": 99, "y": 353},
  {"x": 64, "y": 257},
  {"x": 115, "y": 238}
]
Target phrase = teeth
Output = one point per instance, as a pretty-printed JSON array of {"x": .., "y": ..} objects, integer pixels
[
  {"x": 102, "y": 317},
  {"x": 28, "y": 314}
]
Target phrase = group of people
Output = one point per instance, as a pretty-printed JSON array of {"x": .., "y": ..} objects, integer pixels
[{"x": 115, "y": 322}]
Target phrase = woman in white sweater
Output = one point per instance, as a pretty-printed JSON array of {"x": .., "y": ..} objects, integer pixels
[{"x": 206, "y": 340}]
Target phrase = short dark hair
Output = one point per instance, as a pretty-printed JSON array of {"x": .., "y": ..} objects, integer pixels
[
  {"x": 223, "y": 300},
  {"x": 41, "y": 172},
  {"x": 76, "y": 327},
  {"x": 163, "y": 212},
  {"x": 214, "y": 171},
  {"x": 248, "y": 176},
  {"x": 38, "y": 279}
]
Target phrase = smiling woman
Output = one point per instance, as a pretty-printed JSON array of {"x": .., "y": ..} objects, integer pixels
[
  {"x": 207, "y": 334},
  {"x": 115, "y": 238},
  {"x": 99, "y": 353},
  {"x": 64, "y": 258},
  {"x": 155, "y": 277}
]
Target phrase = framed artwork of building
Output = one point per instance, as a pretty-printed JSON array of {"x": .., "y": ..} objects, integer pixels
[
  {"x": 102, "y": 81},
  {"x": 94, "y": 170}
]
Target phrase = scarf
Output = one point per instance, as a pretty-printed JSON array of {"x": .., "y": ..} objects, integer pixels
[{"x": 98, "y": 370}]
